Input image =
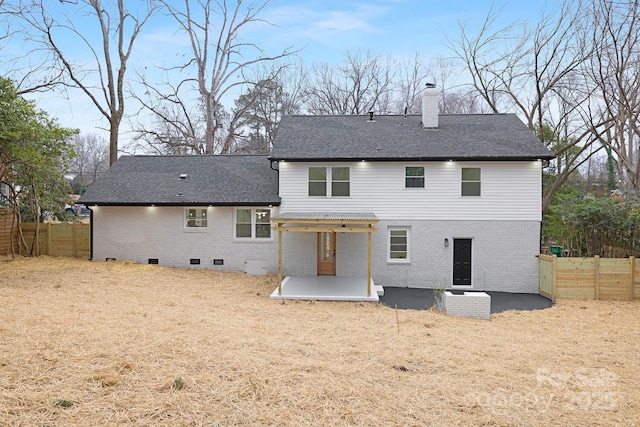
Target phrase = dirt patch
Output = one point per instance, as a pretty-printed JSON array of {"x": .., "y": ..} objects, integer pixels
[{"x": 121, "y": 343}]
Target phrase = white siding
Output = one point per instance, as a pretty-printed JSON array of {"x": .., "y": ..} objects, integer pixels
[
  {"x": 510, "y": 191},
  {"x": 140, "y": 233}
]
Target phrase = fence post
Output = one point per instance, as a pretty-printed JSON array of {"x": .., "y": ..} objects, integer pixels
[
  {"x": 596, "y": 261},
  {"x": 554, "y": 287},
  {"x": 48, "y": 240},
  {"x": 74, "y": 238},
  {"x": 632, "y": 262}
]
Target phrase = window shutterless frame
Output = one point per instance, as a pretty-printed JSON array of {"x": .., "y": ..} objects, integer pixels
[
  {"x": 252, "y": 224},
  {"x": 414, "y": 177},
  {"x": 195, "y": 218},
  {"x": 470, "y": 182},
  {"x": 329, "y": 181},
  {"x": 317, "y": 181},
  {"x": 399, "y": 241}
]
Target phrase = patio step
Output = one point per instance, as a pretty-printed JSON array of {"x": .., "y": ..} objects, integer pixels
[{"x": 379, "y": 290}]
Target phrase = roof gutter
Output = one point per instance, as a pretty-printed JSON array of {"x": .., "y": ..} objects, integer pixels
[
  {"x": 416, "y": 159},
  {"x": 148, "y": 204}
]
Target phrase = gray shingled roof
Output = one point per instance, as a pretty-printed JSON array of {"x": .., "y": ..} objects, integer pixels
[
  {"x": 458, "y": 137},
  {"x": 210, "y": 180}
]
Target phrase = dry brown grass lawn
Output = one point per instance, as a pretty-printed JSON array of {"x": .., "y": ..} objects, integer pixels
[{"x": 123, "y": 344}]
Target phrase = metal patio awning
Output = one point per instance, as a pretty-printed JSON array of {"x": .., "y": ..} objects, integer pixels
[{"x": 344, "y": 222}]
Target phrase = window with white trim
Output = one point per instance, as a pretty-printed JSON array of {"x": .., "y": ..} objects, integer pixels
[
  {"x": 414, "y": 177},
  {"x": 317, "y": 181},
  {"x": 252, "y": 223},
  {"x": 399, "y": 243},
  {"x": 195, "y": 218},
  {"x": 470, "y": 183},
  {"x": 340, "y": 182},
  {"x": 329, "y": 181}
]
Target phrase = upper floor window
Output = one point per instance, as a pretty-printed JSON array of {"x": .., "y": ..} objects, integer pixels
[
  {"x": 470, "y": 182},
  {"x": 317, "y": 181},
  {"x": 414, "y": 177},
  {"x": 253, "y": 224},
  {"x": 195, "y": 218},
  {"x": 340, "y": 181},
  {"x": 321, "y": 177}
]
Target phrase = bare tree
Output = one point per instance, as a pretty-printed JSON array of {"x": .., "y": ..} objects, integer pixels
[
  {"x": 28, "y": 70},
  {"x": 412, "y": 73},
  {"x": 103, "y": 82},
  {"x": 538, "y": 75},
  {"x": 92, "y": 158},
  {"x": 219, "y": 57},
  {"x": 175, "y": 127},
  {"x": 455, "y": 97},
  {"x": 363, "y": 82},
  {"x": 615, "y": 70}
]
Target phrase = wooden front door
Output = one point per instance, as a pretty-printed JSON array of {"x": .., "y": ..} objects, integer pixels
[
  {"x": 461, "y": 262},
  {"x": 326, "y": 253}
]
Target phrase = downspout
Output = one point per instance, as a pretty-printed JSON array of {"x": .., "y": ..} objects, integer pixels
[
  {"x": 542, "y": 167},
  {"x": 90, "y": 233}
]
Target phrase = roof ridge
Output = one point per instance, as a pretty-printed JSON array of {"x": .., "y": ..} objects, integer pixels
[{"x": 165, "y": 156}]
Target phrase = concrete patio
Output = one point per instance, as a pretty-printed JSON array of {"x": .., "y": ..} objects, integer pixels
[{"x": 327, "y": 288}]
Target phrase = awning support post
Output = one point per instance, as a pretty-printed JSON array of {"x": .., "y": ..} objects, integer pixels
[
  {"x": 279, "y": 262},
  {"x": 369, "y": 260}
]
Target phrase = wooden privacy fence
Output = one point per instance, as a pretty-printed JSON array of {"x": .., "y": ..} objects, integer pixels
[
  {"x": 6, "y": 220},
  {"x": 65, "y": 239},
  {"x": 589, "y": 278}
]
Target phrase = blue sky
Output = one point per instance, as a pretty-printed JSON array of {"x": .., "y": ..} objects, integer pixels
[
  {"x": 324, "y": 29},
  {"x": 321, "y": 29}
]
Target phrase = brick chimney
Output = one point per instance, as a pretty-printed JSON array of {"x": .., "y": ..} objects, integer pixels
[{"x": 430, "y": 106}]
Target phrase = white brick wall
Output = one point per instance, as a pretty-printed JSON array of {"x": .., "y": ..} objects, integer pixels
[
  {"x": 503, "y": 252},
  {"x": 351, "y": 254},
  {"x": 140, "y": 233},
  {"x": 299, "y": 254},
  {"x": 503, "y": 255},
  {"x": 470, "y": 304}
]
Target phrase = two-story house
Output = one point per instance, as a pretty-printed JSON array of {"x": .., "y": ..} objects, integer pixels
[{"x": 414, "y": 201}]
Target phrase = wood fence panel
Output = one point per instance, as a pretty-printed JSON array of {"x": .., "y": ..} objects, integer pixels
[
  {"x": 61, "y": 240},
  {"x": 615, "y": 279},
  {"x": 547, "y": 273},
  {"x": 6, "y": 219},
  {"x": 590, "y": 278},
  {"x": 66, "y": 239},
  {"x": 83, "y": 240},
  {"x": 575, "y": 278},
  {"x": 28, "y": 230},
  {"x": 636, "y": 280}
]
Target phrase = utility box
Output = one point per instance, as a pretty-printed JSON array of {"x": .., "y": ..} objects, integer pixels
[{"x": 256, "y": 267}]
